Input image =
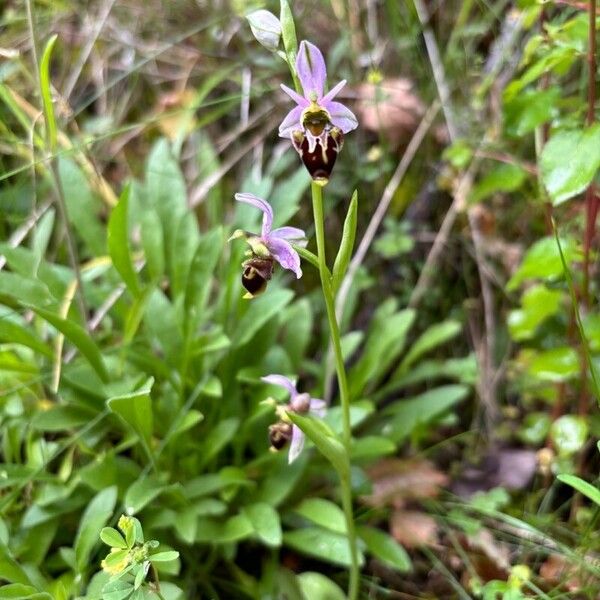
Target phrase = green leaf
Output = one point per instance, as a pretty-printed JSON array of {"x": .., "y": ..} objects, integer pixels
[
  {"x": 166, "y": 556},
  {"x": 117, "y": 590},
  {"x": 61, "y": 418},
  {"x": 12, "y": 571},
  {"x": 79, "y": 338},
  {"x": 324, "y": 513},
  {"x": 266, "y": 523},
  {"x": 51, "y": 132},
  {"x": 542, "y": 261},
  {"x": 118, "y": 243},
  {"x": 260, "y": 312},
  {"x": 290, "y": 41},
  {"x": 325, "y": 545},
  {"x": 82, "y": 206},
  {"x": 385, "y": 548},
  {"x": 111, "y": 537},
  {"x": 530, "y": 109},
  {"x": 142, "y": 492},
  {"x": 538, "y": 303},
  {"x": 583, "y": 487},
  {"x": 25, "y": 290},
  {"x": 387, "y": 338},
  {"x": 403, "y": 416},
  {"x": 556, "y": 365},
  {"x": 325, "y": 440},
  {"x": 236, "y": 528},
  {"x": 315, "y": 586},
  {"x": 371, "y": 447},
  {"x": 153, "y": 243},
  {"x": 19, "y": 591},
  {"x": 136, "y": 410},
  {"x": 432, "y": 338},
  {"x": 569, "y": 433},
  {"x": 218, "y": 437},
  {"x": 347, "y": 244},
  {"x": 95, "y": 516},
  {"x": 570, "y": 161},
  {"x": 503, "y": 178},
  {"x": 202, "y": 266},
  {"x": 15, "y": 333}
]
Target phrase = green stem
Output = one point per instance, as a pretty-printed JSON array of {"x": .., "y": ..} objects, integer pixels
[{"x": 317, "y": 200}]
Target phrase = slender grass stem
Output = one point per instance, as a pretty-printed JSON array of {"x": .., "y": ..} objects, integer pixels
[{"x": 317, "y": 201}]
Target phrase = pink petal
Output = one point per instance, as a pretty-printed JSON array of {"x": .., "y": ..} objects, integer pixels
[
  {"x": 331, "y": 94},
  {"x": 291, "y": 122},
  {"x": 310, "y": 66},
  {"x": 318, "y": 407},
  {"x": 288, "y": 233},
  {"x": 261, "y": 205},
  {"x": 281, "y": 381},
  {"x": 285, "y": 255},
  {"x": 296, "y": 445},
  {"x": 295, "y": 96},
  {"x": 341, "y": 116}
]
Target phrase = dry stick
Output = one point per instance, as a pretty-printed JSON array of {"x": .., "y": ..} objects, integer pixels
[
  {"x": 374, "y": 223},
  {"x": 590, "y": 195},
  {"x": 198, "y": 195},
  {"x": 85, "y": 53},
  {"x": 382, "y": 207},
  {"x": 21, "y": 232},
  {"x": 58, "y": 188},
  {"x": 488, "y": 382}
]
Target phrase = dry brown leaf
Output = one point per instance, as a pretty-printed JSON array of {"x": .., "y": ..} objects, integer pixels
[
  {"x": 395, "y": 481},
  {"x": 413, "y": 528},
  {"x": 492, "y": 548},
  {"x": 557, "y": 571},
  {"x": 390, "y": 107}
]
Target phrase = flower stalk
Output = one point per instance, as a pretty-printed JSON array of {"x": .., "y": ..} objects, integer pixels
[{"x": 334, "y": 330}]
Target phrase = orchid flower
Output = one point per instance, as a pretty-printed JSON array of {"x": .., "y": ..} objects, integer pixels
[
  {"x": 271, "y": 245},
  {"x": 314, "y": 105},
  {"x": 299, "y": 403},
  {"x": 317, "y": 124}
]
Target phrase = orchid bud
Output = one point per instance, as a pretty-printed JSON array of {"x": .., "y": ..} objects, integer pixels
[{"x": 266, "y": 28}]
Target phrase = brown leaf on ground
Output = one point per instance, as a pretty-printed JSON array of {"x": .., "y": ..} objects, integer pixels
[
  {"x": 493, "y": 549},
  {"x": 414, "y": 529},
  {"x": 396, "y": 481},
  {"x": 556, "y": 570},
  {"x": 510, "y": 468},
  {"x": 390, "y": 107}
]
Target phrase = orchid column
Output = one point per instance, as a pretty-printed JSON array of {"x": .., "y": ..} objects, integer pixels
[{"x": 316, "y": 127}]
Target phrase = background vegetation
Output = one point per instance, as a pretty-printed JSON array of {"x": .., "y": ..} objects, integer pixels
[{"x": 130, "y": 365}]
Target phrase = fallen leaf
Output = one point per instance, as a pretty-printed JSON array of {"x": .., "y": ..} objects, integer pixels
[
  {"x": 413, "y": 528},
  {"x": 390, "y": 107},
  {"x": 395, "y": 481}
]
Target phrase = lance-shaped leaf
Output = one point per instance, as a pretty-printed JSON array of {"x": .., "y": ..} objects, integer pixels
[
  {"x": 347, "y": 244},
  {"x": 118, "y": 243}
]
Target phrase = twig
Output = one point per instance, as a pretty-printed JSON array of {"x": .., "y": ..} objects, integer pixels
[
  {"x": 85, "y": 52},
  {"x": 21, "y": 232},
  {"x": 590, "y": 196},
  {"x": 488, "y": 381},
  {"x": 199, "y": 193},
  {"x": 382, "y": 207}
]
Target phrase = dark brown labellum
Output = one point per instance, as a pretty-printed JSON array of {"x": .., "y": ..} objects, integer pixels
[
  {"x": 280, "y": 434},
  {"x": 256, "y": 274},
  {"x": 320, "y": 161}
]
